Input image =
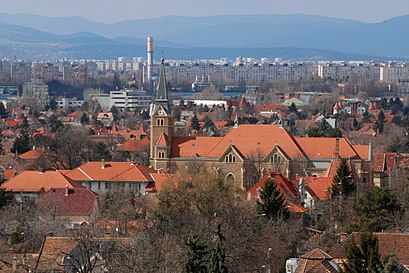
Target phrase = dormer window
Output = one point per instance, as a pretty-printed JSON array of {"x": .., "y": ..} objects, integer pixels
[
  {"x": 160, "y": 122},
  {"x": 230, "y": 158},
  {"x": 276, "y": 159}
]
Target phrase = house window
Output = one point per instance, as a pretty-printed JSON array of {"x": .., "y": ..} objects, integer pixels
[
  {"x": 276, "y": 159},
  {"x": 230, "y": 158},
  {"x": 160, "y": 122},
  {"x": 161, "y": 155}
]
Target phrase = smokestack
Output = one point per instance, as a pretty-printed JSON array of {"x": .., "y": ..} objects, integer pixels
[
  {"x": 150, "y": 61},
  {"x": 66, "y": 190},
  {"x": 103, "y": 164}
]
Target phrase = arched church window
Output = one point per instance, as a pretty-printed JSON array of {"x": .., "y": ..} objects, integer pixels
[
  {"x": 230, "y": 158},
  {"x": 160, "y": 122}
]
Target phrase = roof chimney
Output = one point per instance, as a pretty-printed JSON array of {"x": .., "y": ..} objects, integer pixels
[
  {"x": 66, "y": 190},
  {"x": 370, "y": 152},
  {"x": 103, "y": 164},
  {"x": 337, "y": 147}
]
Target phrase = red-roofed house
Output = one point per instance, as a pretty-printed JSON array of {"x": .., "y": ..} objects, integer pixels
[
  {"x": 29, "y": 184},
  {"x": 284, "y": 185},
  {"x": 76, "y": 205},
  {"x": 103, "y": 176}
]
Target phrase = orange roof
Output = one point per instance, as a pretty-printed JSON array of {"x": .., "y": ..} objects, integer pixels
[
  {"x": 324, "y": 147},
  {"x": 9, "y": 173},
  {"x": 113, "y": 171},
  {"x": 318, "y": 186},
  {"x": 32, "y": 154},
  {"x": 362, "y": 150},
  {"x": 293, "y": 207},
  {"x": 162, "y": 140},
  {"x": 333, "y": 167},
  {"x": 378, "y": 162},
  {"x": 34, "y": 181},
  {"x": 52, "y": 252},
  {"x": 283, "y": 184},
  {"x": 134, "y": 145},
  {"x": 74, "y": 114},
  {"x": 248, "y": 139},
  {"x": 160, "y": 180}
]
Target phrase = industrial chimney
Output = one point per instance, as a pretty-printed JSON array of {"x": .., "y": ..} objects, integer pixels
[{"x": 150, "y": 61}]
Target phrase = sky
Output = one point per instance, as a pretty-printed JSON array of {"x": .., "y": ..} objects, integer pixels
[{"x": 110, "y": 11}]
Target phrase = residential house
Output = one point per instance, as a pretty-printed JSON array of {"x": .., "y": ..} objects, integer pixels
[
  {"x": 29, "y": 184},
  {"x": 315, "y": 261},
  {"x": 103, "y": 176},
  {"x": 75, "y": 206}
]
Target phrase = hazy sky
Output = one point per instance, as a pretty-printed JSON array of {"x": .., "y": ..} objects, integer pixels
[{"x": 117, "y": 10}]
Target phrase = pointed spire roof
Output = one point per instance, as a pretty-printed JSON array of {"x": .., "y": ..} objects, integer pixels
[
  {"x": 162, "y": 140},
  {"x": 161, "y": 91}
]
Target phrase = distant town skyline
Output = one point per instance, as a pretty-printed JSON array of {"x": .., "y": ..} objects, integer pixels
[{"x": 110, "y": 12}]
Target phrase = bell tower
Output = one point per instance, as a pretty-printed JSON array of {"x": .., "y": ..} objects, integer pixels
[{"x": 162, "y": 125}]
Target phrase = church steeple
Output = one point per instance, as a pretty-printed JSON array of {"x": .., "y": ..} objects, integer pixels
[
  {"x": 161, "y": 128},
  {"x": 162, "y": 90}
]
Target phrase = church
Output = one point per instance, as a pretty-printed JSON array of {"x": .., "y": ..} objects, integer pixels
[{"x": 247, "y": 152}]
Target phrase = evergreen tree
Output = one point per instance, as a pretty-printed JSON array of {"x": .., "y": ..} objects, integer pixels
[
  {"x": 22, "y": 143},
  {"x": 373, "y": 212},
  {"x": 392, "y": 265},
  {"x": 272, "y": 202},
  {"x": 115, "y": 113},
  {"x": 343, "y": 184},
  {"x": 292, "y": 108},
  {"x": 84, "y": 118},
  {"x": 209, "y": 124},
  {"x": 363, "y": 257},
  {"x": 55, "y": 123},
  {"x": 196, "y": 259},
  {"x": 218, "y": 257},
  {"x": 3, "y": 112},
  {"x": 195, "y": 123}
]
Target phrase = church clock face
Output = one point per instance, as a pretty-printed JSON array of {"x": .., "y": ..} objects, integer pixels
[{"x": 161, "y": 113}]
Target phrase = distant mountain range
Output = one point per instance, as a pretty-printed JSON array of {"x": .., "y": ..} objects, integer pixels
[{"x": 293, "y": 36}]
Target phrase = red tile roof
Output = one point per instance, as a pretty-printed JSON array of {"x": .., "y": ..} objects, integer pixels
[
  {"x": 323, "y": 147},
  {"x": 248, "y": 139},
  {"x": 378, "y": 162},
  {"x": 9, "y": 173},
  {"x": 79, "y": 201},
  {"x": 160, "y": 180},
  {"x": 284, "y": 185},
  {"x": 34, "y": 181},
  {"x": 390, "y": 162},
  {"x": 113, "y": 171},
  {"x": 162, "y": 140},
  {"x": 362, "y": 151},
  {"x": 333, "y": 167},
  {"x": 52, "y": 252},
  {"x": 318, "y": 186},
  {"x": 32, "y": 154},
  {"x": 388, "y": 243},
  {"x": 135, "y": 145},
  {"x": 12, "y": 122}
]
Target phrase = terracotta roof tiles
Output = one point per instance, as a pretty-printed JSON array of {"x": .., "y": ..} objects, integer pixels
[
  {"x": 79, "y": 201},
  {"x": 34, "y": 181},
  {"x": 112, "y": 171}
]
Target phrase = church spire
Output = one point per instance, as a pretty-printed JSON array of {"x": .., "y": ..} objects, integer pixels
[{"x": 162, "y": 91}]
